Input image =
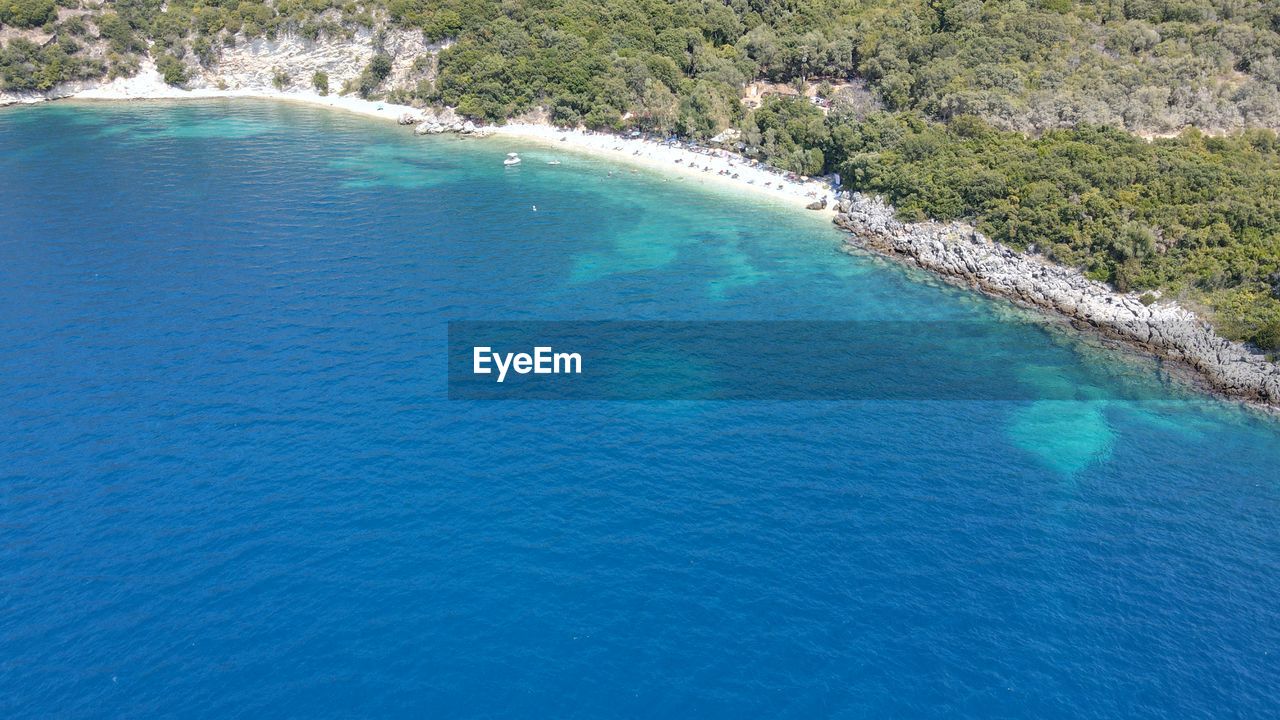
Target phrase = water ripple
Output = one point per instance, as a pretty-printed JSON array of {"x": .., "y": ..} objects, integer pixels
[{"x": 231, "y": 484}]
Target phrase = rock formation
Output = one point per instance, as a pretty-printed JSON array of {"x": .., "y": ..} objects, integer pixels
[{"x": 962, "y": 255}]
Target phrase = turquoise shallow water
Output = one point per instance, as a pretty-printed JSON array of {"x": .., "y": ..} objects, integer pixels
[{"x": 232, "y": 483}]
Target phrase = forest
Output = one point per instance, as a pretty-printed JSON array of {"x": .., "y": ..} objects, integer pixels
[
  {"x": 1029, "y": 65},
  {"x": 1022, "y": 116},
  {"x": 1195, "y": 216}
]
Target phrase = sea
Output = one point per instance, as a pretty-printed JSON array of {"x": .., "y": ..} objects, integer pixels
[{"x": 235, "y": 480}]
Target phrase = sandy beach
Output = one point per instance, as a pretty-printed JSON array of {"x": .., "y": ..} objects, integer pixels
[{"x": 706, "y": 165}]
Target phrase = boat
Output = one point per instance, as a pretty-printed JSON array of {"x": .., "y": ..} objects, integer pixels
[
  {"x": 553, "y": 162},
  {"x": 512, "y": 159}
]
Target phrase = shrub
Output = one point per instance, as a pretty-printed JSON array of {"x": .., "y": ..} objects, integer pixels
[
  {"x": 203, "y": 51},
  {"x": 119, "y": 66},
  {"x": 320, "y": 81},
  {"x": 27, "y": 13},
  {"x": 1267, "y": 338},
  {"x": 374, "y": 73},
  {"x": 27, "y": 66},
  {"x": 380, "y": 66},
  {"x": 280, "y": 79},
  {"x": 172, "y": 69},
  {"x": 18, "y": 65},
  {"x": 121, "y": 36},
  {"x": 75, "y": 26}
]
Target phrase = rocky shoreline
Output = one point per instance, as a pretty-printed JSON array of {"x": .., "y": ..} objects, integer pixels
[
  {"x": 433, "y": 122},
  {"x": 962, "y": 255}
]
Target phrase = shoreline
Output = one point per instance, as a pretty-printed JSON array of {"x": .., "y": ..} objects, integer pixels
[
  {"x": 955, "y": 252},
  {"x": 959, "y": 254},
  {"x": 757, "y": 180},
  {"x": 148, "y": 85},
  {"x": 708, "y": 166}
]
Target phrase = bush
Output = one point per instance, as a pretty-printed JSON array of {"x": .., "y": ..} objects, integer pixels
[
  {"x": 27, "y": 66},
  {"x": 120, "y": 34},
  {"x": 18, "y": 64},
  {"x": 1268, "y": 337},
  {"x": 171, "y": 69},
  {"x": 320, "y": 81},
  {"x": 374, "y": 73},
  {"x": 75, "y": 26},
  {"x": 380, "y": 66},
  {"x": 280, "y": 79},
  {"x": 27, "y": 13}
]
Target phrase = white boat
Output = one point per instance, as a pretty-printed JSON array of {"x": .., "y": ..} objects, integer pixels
[
  {"x": 512, "y": 159},
  {"x": 553, "y": 162}
]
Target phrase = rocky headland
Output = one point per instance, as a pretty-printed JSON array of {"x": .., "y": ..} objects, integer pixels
[{"x": 962, "y": 255}]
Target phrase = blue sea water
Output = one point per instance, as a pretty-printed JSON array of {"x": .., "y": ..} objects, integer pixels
[{"x": 232, "y": 484}]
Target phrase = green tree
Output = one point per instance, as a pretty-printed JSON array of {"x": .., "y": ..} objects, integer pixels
[
  {"x": 171, "y": 69},
  {"x": 27, "y": 13}
]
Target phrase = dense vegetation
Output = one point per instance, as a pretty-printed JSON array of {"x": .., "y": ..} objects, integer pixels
[
  {"x": 1030, "y": 65},
  {"x": 27, "y": 66},
  {"x": 1140, "y": 64},
  {"x": 27, "y": 13},
  {"x": 1195, "y": 215},
  {"x": 1010, "y": 113}
]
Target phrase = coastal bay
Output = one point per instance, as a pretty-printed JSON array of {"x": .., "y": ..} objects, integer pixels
[{"x": 1229, "y": 368}]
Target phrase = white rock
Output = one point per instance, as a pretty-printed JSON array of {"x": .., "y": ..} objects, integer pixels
[{"x": 962, "y": 254}]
